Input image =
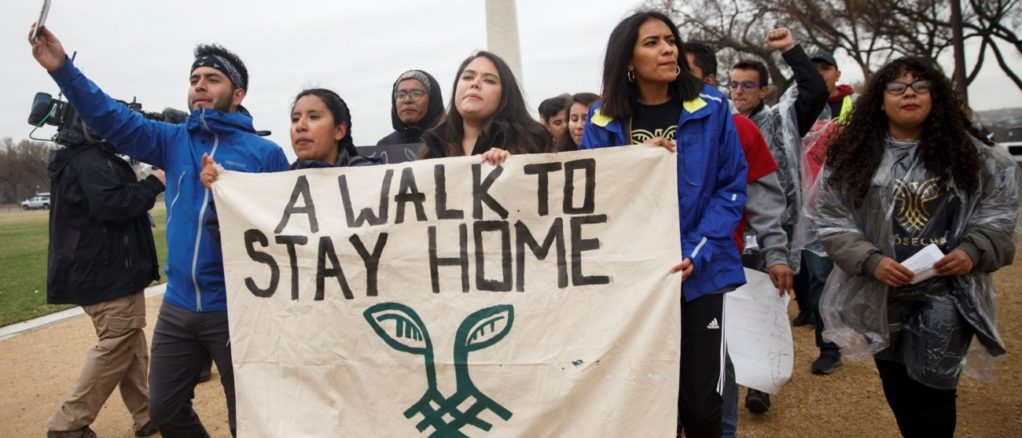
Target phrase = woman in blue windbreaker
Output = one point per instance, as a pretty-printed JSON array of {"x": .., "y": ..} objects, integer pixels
[{"x": 650, "y": 97}]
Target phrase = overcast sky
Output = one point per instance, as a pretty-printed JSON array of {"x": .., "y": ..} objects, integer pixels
[{"x": 356, "y": 48}]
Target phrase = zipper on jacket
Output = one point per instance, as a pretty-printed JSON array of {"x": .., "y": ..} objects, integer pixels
[
  {"x": 173, "y": 202},
  {"x": 695, "y": 252},
  {"x": 202, "y": 213},
  {"x": 125, "y": 247}
]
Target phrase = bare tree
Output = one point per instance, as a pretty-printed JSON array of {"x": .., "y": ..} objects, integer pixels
[
  {"x": 22, "y": 169},
  {"x": 993, "y": 22},
  {"x": 736, "y": 29},
  {"x": 870, "y": 32}
]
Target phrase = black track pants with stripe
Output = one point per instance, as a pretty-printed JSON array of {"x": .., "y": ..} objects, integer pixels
[{"x": 702, "y": 376}]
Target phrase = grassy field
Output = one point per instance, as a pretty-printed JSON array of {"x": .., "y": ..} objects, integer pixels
[{"x": 24, "y": 236}]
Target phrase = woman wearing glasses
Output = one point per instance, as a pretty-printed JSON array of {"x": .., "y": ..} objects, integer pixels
[
  {"x": 903, "y": 175},
  {"x": 416, "y": 105},
  {"x": 487, "y": 115},
  {"x": 650, "y": 97}
]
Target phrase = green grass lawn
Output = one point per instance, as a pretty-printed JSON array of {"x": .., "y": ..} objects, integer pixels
[{"x": 23, "y": 243}]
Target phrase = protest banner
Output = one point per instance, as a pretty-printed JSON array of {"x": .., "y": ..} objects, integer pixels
[{"x": 454, "y": 298}]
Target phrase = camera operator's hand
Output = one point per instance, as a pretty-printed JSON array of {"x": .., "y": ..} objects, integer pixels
[
  {"x": 210, "y": 171},
  {"x": 160, "y": 175},
  {"x": 47, "y": 49}
]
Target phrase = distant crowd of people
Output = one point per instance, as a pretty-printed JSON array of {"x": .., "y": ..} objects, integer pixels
[{"x": 828, "y": 191}]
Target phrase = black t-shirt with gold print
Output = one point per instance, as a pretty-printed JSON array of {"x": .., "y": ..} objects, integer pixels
[
  {"x": 923, "y": 209},
  {"x": 651, "y": 121}
]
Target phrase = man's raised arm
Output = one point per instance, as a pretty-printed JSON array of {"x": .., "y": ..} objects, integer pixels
[{"x": 129, "y": 132}]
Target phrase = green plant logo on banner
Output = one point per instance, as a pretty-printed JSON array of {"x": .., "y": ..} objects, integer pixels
[{"x": 446, "y": 415}]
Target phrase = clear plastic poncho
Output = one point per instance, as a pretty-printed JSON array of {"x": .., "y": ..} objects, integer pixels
[
  {"x": 779, "y": 126},
  {"x": 814, "y": 154},
  {"x": 935, "y": 337}
]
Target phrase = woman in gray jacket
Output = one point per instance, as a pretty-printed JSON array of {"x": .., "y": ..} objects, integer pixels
[{"x": 906, "y": 174}]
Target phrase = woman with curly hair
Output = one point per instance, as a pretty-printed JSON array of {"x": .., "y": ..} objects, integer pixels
[{"x": 906, "y": 174}]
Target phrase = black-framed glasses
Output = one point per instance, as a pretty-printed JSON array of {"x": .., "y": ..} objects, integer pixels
[
  {"x": 748, "y": 85},
  {"x": 415, "y": 93},
  {"x": 921, "y": 86}
]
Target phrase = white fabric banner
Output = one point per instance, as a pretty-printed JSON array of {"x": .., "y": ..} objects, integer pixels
[
  {"x": 758, "y": 333},
  {"x": 454, "y": 298}
]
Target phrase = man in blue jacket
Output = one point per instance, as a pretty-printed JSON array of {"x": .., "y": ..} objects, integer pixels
[{"x": 192, "y": 324}]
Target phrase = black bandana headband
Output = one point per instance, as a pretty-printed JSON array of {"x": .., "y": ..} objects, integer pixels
[{"x": 224, "y": 66}]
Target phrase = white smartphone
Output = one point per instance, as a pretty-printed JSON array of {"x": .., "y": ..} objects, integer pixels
[{"x": 42, "y": 19}]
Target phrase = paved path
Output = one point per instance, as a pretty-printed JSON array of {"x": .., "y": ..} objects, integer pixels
[
  {"x": 38, "y": 367},
  {"x": 40, "y": 364}
]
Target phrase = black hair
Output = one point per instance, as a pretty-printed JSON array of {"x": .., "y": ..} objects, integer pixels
[
  {"x": 945, "y": 145},
  {"x": 759, "y": 67},
  {"x": 704, "y": 56},
  {"x": 586, "y": 99},
  {"x": 203, "y": 50},
  {"x": 550, "y": 107},
  {"x": 621, "y": 95},
  {"x": 511, "y": 127},
  {"x": 340, "y": 112}
]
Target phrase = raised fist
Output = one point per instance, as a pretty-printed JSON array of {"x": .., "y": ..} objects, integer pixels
[{"x": 780, "y": 39}]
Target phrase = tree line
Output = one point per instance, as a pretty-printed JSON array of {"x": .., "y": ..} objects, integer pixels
[
  {"x": 23, "y": 169},
  {"x": 869, "y": 32}
]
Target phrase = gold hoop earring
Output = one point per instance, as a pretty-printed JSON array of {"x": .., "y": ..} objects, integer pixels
[{"x": 631, "y": 76}]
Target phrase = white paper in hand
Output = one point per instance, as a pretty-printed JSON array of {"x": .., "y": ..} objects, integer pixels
[
  {"x": 921, "y": 263},
  {"x": 758, "y": 333}
]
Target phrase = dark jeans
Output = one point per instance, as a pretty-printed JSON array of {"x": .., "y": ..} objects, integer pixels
[
  {"x": 729, "y": 410},
  {"x": 702, "y": 357},
  {"x": 801, "y": 286},
  {"x": 921, "y": 411},
  {"x": 183, "y": 342},
  {"x": 817, "y": 269}
]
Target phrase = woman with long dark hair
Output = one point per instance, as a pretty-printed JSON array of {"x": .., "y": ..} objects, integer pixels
[
  {"x": 578, "y": 114},
  {"x": 486, "y": 116},
  {"x": 650, "y": 97},
  {"x": 904, "y": 175}
]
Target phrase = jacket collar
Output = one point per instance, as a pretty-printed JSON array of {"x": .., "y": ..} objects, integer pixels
[
  {"x": 691, "y": 111},
  {"x": 203, "y": 119}
]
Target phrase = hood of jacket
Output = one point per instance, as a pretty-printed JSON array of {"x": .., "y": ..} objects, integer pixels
[
  {"x": 61, "y": 157},
  {"x": 344, "y": 159},
  {"x": 413, "y": 134},
  {"x": 211, "y": 120}
]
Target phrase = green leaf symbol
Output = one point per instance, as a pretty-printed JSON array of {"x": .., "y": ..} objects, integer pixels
[
  {"x": 406, "y": 330},
  {"x": 486, "y": 327}
]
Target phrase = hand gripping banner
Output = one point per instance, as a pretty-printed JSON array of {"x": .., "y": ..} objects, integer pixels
[{"x": 449, "y": 298}]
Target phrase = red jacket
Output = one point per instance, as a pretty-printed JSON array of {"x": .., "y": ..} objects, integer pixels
[{"x": 761, "y": 163}]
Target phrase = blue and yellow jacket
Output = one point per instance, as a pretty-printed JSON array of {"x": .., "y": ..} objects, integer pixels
[
  {"x": 711, "y": 186},
  {"x": 195, "y": 271}
]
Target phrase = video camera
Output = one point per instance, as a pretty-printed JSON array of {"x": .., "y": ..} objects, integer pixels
[{"x": 72, "y": 130}]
